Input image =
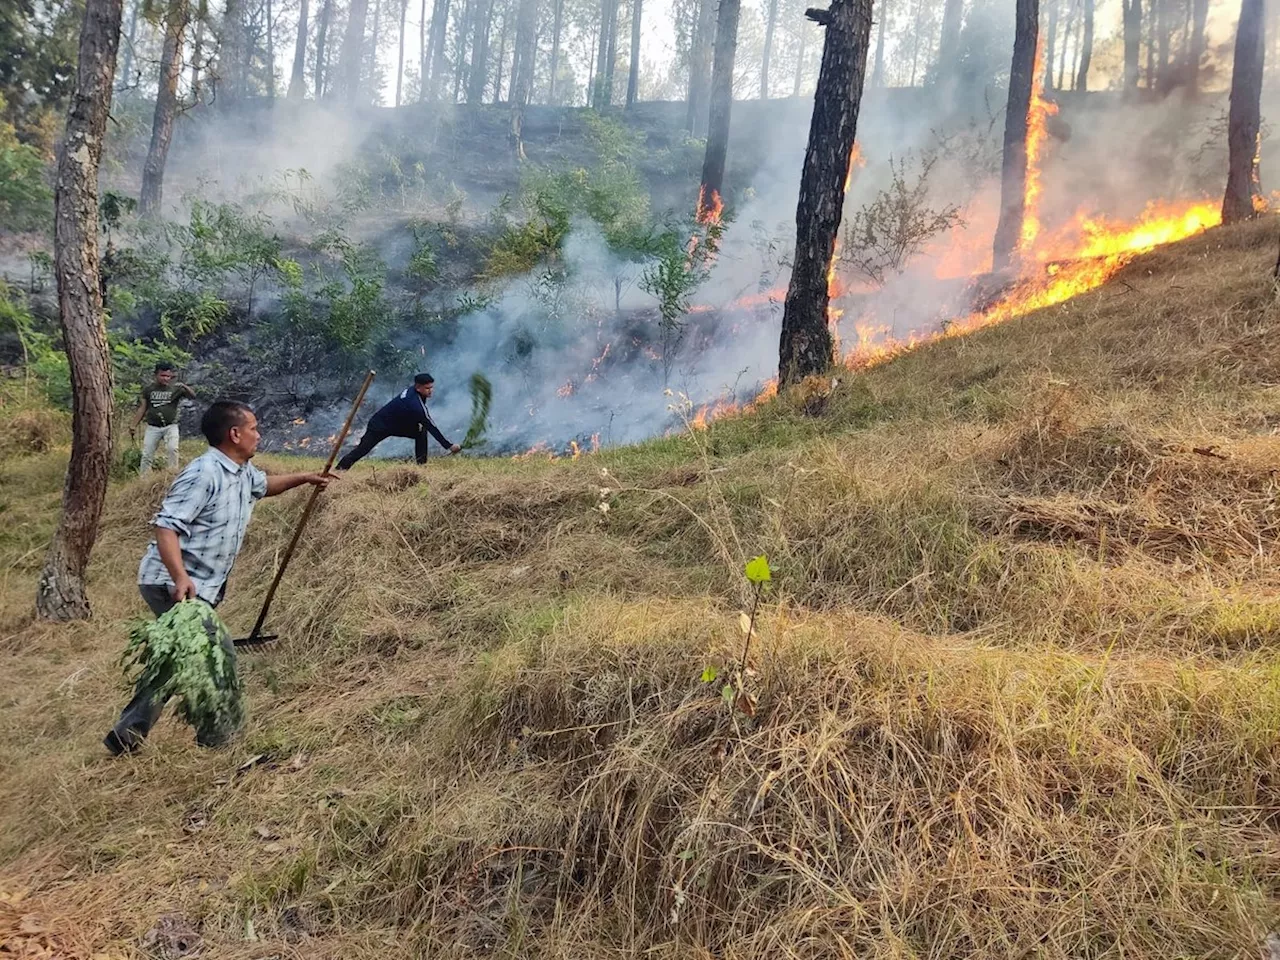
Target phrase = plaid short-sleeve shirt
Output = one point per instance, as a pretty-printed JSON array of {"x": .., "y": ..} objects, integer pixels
[{"x": 208, "y": 507}]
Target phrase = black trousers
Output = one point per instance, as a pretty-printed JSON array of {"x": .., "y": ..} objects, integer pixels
[
  {"x": 374, "y": 437},
  {"x": 142, "y": 712}
]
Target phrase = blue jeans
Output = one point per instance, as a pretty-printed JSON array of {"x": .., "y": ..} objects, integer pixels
[{"x": 141, "y": 713}]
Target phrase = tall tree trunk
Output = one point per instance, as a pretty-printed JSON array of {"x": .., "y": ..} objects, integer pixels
[
  {"x": 60, "y": 592},
  {"x": 483, "y": 13},
  {"x": 460, "y": 42},
  {"x": 771, "y": 21},
  {"x": 271, "y": 54},
  {"x": 349, "y": 67},
  {"x": 175, "y": 25},
  {"x": 322, "y": 48},
  {"x": 1132, "y": 43},
  {"x": 591, "y": 65},
  {"x": 1151, "y": 44},
  {"x": 197, "y": 53},
  {"x": 633, "y": 73},
  {"x": 721, "y": 103},
  {"x": 555, "y": 50},
  {"x": 298, "y": 78},
  {"x": 439, "y": 37},
  {"x": 700, "y": 68},
  {"x": 375, "y": 47},
  {"x": 877, "y": 74},
  {"x": 1086, "y": 48},
  {"x": 807, "y": 345},
  {"x": 404, "y": 14},
  {"x": 522, "y": 72},
  {"x": 424, "y": 54},
  {"x": 949, "y": 40},
  {"x": 606, "y": 53},
  {"x": 1244, "y": 120},
  {"x": 1199, "y": 17},
  {"x": 916, "y": 33},
  {"x": 1013, "y": 181}
]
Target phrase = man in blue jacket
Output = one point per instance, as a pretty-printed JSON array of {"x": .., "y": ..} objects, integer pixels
[{"x": 404, "y": 415}]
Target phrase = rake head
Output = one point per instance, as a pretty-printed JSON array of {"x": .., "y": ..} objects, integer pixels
[{"x": 254, "y": 641}]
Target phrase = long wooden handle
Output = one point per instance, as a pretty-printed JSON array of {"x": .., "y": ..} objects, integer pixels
[{"x": 311, "y": 502}]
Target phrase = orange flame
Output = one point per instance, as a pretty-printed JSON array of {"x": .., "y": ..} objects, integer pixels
[
  {"x": 1038, "y": 113},
  {"x": 834, "y": 291}
]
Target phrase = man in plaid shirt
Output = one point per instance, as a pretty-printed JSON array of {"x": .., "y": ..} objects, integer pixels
[{"x": 199, "y": 529}]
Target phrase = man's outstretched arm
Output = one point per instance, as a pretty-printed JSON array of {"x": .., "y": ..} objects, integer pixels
[{"x": 279, "y": 483}]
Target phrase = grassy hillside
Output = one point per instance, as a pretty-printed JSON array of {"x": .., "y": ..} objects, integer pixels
[{"x": 1018, "y": 694}]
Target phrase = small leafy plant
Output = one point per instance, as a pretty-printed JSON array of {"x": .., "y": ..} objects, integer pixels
[
  {"x": 734, "y": 693},
  {"x": 481, "y": 398},
  {"x": 187, "y": 654}
]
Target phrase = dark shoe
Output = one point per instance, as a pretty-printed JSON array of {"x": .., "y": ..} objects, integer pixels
[{"x": 119, "y": 744}]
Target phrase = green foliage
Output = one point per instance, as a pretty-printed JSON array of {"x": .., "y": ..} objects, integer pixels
[
  {"x": 757, "y": 570},
  {"x": 186, "y": 654},
  {"x": 190, "y": 315},
  {"x": 26, "y": 202},
  {"x": 481, "y": 399},
  {"x": 422, "y": 269}
]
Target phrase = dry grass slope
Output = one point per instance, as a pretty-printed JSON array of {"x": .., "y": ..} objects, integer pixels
[{"x": 1018, "y": 689}]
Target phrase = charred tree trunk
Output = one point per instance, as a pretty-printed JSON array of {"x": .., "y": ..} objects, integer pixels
[
  {"x": 479, "y": 79},
  {"x": 522, "y": 73},
  {"x": 1132, "y": 43},
  {"x": 700, "y": 68},
  {"x": 949, "y": 40},
  {"x": 298, "y": 78},
  {"x": 352, "y": 61},
  {"x": 721, "y": 103},
  {"x": 877, "y": 74},
  {"x": 1051, "y": 43},
  {"x": 771, "y": 21},
  {"x": 439, "y": 37},
  {"x": 807, "y": 345},
  {"x": 556, "y": 28},
  {"x": 175, "y": 25},
  {"x": 197, "y": 52},
  {"x": 633, "y": 72},
  {"x": 60, "y": 592},
  {"x": 322, "y": 48},
  {"x": 1086, "y": 48},
  {"x": 1244, "y": 121},
  {"x": 1013, "y": 180},
  {"x": 1195, "y": 54},
  {"x": 404, "y": 15}
]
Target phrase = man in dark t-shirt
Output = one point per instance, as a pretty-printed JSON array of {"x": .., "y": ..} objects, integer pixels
[
  {"x": 159, "y": 407},
  {"x": 406, "y": 416}
]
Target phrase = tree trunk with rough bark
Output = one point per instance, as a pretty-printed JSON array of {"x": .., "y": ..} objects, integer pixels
[
  {"x": 721, "y": 102},
  {"x": 1244, "y": 119},
  {"x": 1013, "y": 181},
  {"x": 1086, "y": 48},
  {"x": 175, "y": 25},
  {"x": 807, "y": 344},
  {"x": 606, "y": 53},
  {"x": 233, "y": 82},
  {"x": 298, "y": 76},
  {"x": 633, "y": 72},
  {"x": 352, "y": 59},
  {"x": 771, "y": 21},
  {"x": 700, "y": 68},
  {"x": 60, "y": 591}
]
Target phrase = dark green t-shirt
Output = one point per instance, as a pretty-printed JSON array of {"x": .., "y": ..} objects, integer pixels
[{"x": 162, "y": 402}]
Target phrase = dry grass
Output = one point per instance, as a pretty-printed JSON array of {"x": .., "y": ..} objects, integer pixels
[{"x": 1017, "y": 687}]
